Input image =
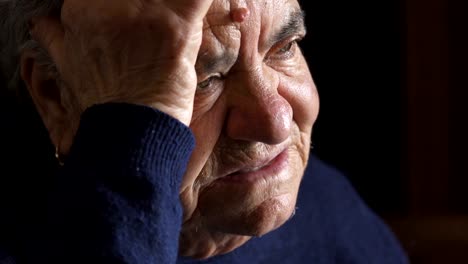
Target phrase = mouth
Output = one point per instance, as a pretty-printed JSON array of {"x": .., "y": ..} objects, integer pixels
[{"x": 266, "y": 170}]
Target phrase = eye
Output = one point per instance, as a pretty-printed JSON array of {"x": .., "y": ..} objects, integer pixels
[
  {"x": 287, "y": 48},
  {"x": 207, "y": 83},
  {"x": 284, "y": 51}
]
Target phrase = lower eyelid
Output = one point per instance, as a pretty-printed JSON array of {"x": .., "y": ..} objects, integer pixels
[
  {"x": 210, "y": 79},
  {"x": 215, "y": 80},
  {"x": 290, "y": 53}
]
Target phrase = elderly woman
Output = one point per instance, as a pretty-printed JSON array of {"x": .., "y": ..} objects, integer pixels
[{"x": 183, "y": 132}]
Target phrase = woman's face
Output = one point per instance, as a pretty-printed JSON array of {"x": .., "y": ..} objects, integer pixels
[{"x": 254, "y": 110}]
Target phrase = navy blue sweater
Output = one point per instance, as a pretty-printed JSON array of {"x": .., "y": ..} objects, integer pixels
[{"x": 116, "y": 201}]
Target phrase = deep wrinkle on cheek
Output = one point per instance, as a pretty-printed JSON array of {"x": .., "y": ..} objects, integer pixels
[
  {"x": 293, "y": 68},
  {"x": 302, "y": 95}
]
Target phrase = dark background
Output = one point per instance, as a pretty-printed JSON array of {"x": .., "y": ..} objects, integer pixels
[
  {"x": 392, "y": 76},
  {"x": 354, "y": 51}
]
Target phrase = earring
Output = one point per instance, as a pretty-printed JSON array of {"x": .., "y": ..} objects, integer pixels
[{"x": 58, "y": 156}]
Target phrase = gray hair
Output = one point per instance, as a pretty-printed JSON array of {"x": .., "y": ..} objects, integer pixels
[{"x": 15, "y": 16}]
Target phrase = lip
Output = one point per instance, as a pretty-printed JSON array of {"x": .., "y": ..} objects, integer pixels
[{"x": 270, "y": 170}]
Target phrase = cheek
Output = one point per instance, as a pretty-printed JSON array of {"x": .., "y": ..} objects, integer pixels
[
  {"x": 206, "y": 127},
  {"x": 300, "y": 91}
]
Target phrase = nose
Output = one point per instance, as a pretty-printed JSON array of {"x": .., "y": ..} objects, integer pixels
[{"x": 258, "y": 113}]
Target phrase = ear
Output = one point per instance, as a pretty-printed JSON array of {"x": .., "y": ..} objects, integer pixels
[{"x": 46, "y": 95}]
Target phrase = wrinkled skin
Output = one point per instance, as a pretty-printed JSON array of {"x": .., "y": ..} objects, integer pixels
[{"x": 252, "y": 101}]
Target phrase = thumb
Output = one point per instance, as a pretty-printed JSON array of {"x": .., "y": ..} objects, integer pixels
[{"x": 49, "y": 33}]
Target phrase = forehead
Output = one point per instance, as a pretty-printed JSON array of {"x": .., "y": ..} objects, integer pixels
[
  {"x": 225, "y": 40},
  {"x": 262, "y": 12}
]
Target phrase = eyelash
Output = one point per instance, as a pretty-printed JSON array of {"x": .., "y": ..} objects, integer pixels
[
  {"x": 285, "y": 52},
  {"x": 204, "y": 85}
]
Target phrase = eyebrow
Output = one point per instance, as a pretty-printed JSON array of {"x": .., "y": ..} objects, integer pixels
[
  {"x": 294, "y": 25},
  {"x": 218, "y": 63}
]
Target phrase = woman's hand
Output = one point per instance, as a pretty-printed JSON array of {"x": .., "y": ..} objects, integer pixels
[{"x": 133, "y": 51}]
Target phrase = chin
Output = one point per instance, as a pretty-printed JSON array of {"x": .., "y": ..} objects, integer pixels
[
  {"x": 266, "y": 217},
  {"x": 203, "y": 237},
  {"x": 231, "y": 211}
]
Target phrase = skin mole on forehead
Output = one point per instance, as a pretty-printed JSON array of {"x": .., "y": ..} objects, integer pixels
[{"x": 239, "y": 15}]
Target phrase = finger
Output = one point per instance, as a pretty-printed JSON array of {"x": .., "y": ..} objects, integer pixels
[
  {"x": 204, "y": 6},
  {"x": 49, "y": 33},
  {"x": 191, "y": 9}
]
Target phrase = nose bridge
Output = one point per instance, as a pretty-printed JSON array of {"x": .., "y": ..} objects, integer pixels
[
  {"x": 259, "y": 82},
  {"x": 257, "y": 111},
  {"x": 262, "y": 90}
]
